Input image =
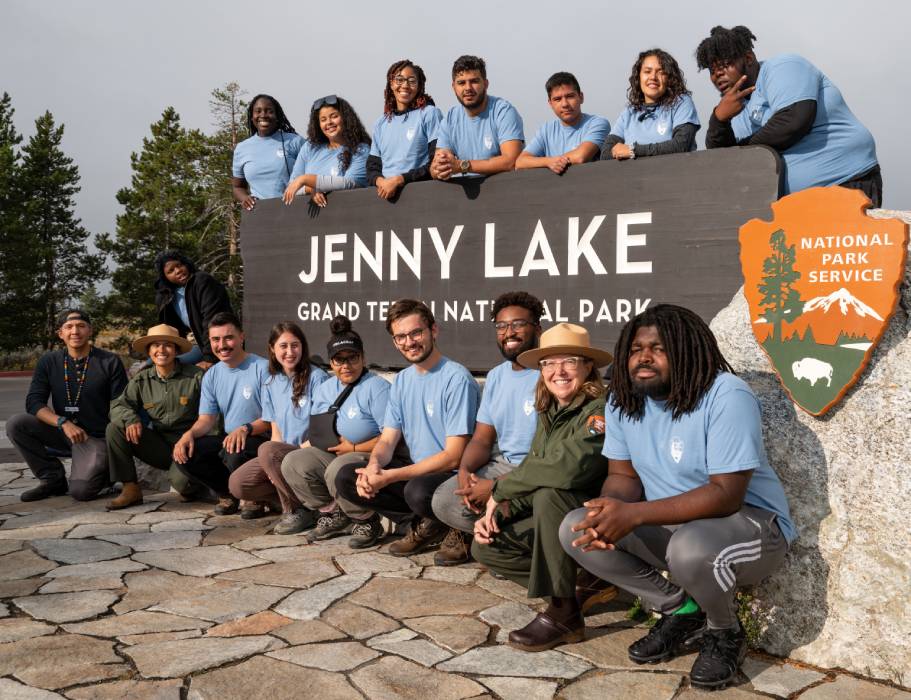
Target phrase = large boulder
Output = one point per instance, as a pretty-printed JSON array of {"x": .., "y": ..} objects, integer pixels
[{"x": 843, "y": 597}]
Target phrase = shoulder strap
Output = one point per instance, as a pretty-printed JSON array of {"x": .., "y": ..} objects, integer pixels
[{"x": 346, "y": 392}]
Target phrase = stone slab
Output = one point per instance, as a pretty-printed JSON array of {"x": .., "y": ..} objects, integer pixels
[
  {"x": 307, "y": 632},
  {"x": 200, "y": 561},
  {"x": 318, "y": 551},
  {"x": 132, "y": 690},
  {"x": 23, "y": 564},
  {"x": 96, "y": 529},
  {"x": 148, "y": 588},
  {"x": 11, "y": 690},
  {"x": 521, "y": 688},
  {"x": 327, "y": 656},
  {"x": 136, "y": 622},
  {"x": 162, "y": 516},
  {"x": 250, "y": 544},
  {"x": 177, "y": 525},
  {"x": 778, "y": 679},
  {"x": 265, "y": 622},
  {"x": 451, "y": 574},
  {"x": 179, "y": 658},
  {"x": 507, "y": 589},
  {"x": 848, "y": 688},
  {"x": 76, "y": 659},
  {"x": 79, "y": 551},
  {"x": 157, "y": 541},
  {"x": 310, "y": 603},
  {"x": 73, "y": 584},
  {"x": 405, "y": 598},
  {"x": 403, "y": 642},
  {"x": 357, "y": 621},
  {"x": 506, "y": 661},
  {"x": 36, "y": 532},
  {"x": 222, "y": 534},
  {"x": 23, "y": 587},
  {"x": 628, "y": 685},
  {"x": 288, "y": 574},
  {"x": 454, "y": 632},
  {"x": 7, "y": 546},
  {"x": 507, "y": 617},
  {"x": 67, "y": 607},
  {"x": 16, "y": 628},
  {"x": 372, "y": 563},
  {"x": 224, "y": 601},
  {"x": 132, "y": 639},
  {"x": 607, "y": 648},
  {"x": 392, "y": 678},
  {"x": 67, "y": 518},
  {"x": 116, "y": 567}
]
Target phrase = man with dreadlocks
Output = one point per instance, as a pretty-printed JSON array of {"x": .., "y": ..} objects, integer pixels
[
  {"x": 787, "y": 103},
  {"x": 689, "y": 491}
]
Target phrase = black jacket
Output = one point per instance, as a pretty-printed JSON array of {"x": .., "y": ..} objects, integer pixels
[{"x": 205, "y": 297}]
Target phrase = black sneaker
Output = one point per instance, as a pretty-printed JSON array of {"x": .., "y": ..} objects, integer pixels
[
  {"x": 44, "y": 489},
  {"x": 720, "y": 658},
  {"x": 671, "y": 636},
  {"x": 333, "y": 524},
  {"x": 366, "y": 533}
]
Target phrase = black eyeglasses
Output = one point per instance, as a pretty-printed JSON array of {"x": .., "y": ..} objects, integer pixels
[
  {"x": 516, "y": 325},
  {"x": 402, "y": 80},
  {"x": 414, "y": 336},
  {"x": 323, "y": 101}
]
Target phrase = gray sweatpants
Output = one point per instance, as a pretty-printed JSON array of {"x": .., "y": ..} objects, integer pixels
[
  {"x": 449, "y": 508},
  {"x": 706, "y": 559},
  {"x": 311, "y": 472}
]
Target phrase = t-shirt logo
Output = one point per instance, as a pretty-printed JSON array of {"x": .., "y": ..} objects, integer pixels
[
  {"x": 247, "y": 391},
  {"x": 280, "y": 153},
  {"x": 662, "y": 128},
  {"x": 429, "y": 408},
  {"x": 352, "y": 412},
  {"x": 302, "y": 401},
  {"x": 409, "y": 134},
  {"x": 676, "y": 449},
  {"x": 528, "y": 407},
  {"x": 488, "y": 141},
  {"x": 334, "y": 171}
]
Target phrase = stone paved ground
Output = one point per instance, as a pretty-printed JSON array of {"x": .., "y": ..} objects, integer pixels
[{"x": 164, "y": 600}]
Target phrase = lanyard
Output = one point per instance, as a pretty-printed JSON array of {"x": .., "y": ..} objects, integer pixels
[{"x": 71, "y": 405}]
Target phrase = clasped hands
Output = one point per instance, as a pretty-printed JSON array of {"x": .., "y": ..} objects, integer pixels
[
  {"x": 607, "y": 521},
  {"x": 371, "y": 479}
]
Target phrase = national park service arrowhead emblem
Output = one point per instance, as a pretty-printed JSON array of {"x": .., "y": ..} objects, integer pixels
[{"x": 822, "y": 281}]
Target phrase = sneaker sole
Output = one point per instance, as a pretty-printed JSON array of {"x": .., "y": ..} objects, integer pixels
[{"x": 690, "y": 644}]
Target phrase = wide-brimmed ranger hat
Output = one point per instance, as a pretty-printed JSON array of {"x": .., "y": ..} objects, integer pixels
[
  {"x": 564, "y": 339},
  {"x": 159, "y": 333}
]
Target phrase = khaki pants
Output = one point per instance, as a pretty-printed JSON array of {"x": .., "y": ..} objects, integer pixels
[
  {"x": 311, "y": 472},
  {"x": 260, "y": 479}
]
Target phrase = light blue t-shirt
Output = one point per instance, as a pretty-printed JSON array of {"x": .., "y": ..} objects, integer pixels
[
  {"x": 180, "y": 305},
  {"x": 402, "y": 141},
  {"x": 362, "y": 414},
  {"x": 723, "y": 434},
  {"x": 319, "y": 159},
  {"x": 555, "y": 138},
  {"x": 429, "y": 407},
  {"x": 508, "y": 404},
  {"x": 655, "y": 126},
  {"x": 838, "y": 147},
  {"x": 265, "y": 163},
  {"x": 234, "y": 393},
  {"x": 293, "y": 419},
  {"x": 480, "y": 137}
]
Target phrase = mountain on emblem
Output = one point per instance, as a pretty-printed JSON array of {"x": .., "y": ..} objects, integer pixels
[{"x": 821, "y": 281}]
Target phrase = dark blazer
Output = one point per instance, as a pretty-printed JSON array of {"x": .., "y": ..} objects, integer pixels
[{"x": 205, "y": 296}]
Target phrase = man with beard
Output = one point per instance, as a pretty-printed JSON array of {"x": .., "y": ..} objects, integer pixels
[
  {"x": 507, "y": 418},
  {"x": 432, "y": 405},
  {"x": 483, "y": 135},
  {"x": 689, "y": 491}
]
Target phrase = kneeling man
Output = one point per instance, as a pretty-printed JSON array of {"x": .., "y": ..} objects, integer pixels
[{"x": 684, "y": 431}]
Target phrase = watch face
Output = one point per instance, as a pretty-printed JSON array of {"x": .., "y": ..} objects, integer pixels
[{"x": 464, "y": 165}]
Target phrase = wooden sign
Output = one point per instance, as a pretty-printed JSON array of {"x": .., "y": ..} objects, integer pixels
[{"x": 822, "y": 281}]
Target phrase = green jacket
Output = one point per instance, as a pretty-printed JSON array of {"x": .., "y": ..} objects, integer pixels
[
  {"x": 565, "y": 453},
  {"x": 172, "y": 403}
]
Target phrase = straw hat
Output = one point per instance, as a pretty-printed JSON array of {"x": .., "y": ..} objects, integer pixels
[
  {"x": 161, "y": 332},
  {"x": 564, "y": 339}
]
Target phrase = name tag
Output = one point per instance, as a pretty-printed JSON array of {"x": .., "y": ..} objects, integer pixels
[{"x": 71, "y": 409}]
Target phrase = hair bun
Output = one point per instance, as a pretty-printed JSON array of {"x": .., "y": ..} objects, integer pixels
[{"x": 339, "y": 325}]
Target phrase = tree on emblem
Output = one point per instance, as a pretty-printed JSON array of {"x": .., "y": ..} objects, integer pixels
[{"x": 780, "y": 301}]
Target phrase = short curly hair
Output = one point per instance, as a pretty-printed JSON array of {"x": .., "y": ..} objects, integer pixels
[
  {"x": 523, "y": 299},
  {"x": 466, "y": 63},
  {"x": 407, "y": 307},
  {"x": 676, "y": 83},
  {"x": 724, "y": 45}
]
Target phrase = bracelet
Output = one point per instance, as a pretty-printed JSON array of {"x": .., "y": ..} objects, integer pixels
[
  {"x": 61, "y": 420},
  {"x": 632, "y": 151}
]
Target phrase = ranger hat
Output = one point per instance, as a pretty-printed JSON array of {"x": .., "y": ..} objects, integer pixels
[
  {"x": 564, "y": 339},
  {"x": 158, "y": 333}
]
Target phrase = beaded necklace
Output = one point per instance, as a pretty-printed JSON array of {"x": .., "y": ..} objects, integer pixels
[{"x": 80, "y": 381}]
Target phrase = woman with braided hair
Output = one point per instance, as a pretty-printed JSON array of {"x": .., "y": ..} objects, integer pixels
[{"x": 404, "y": 138}]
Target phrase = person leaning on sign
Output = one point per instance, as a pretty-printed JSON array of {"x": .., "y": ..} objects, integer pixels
[
  {"x": 518, "y": 534},
  {"x": 573, "y": 137},
  {"x": 684, "y": 433},
  {"x": 81, "y": 381},
  {"x": 168, "y": 394},
  {"x": 483, "y": 134},
  {"x": 404, "y": 138},
  {"x": 788, "y": 104},
  {"x": 660, "y": 116}
]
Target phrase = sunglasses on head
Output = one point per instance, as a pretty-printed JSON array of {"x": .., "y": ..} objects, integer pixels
[{"x": 323, "y": 101}]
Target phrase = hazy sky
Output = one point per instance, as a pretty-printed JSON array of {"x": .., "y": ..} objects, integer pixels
[{"x": 107, "y": 69}]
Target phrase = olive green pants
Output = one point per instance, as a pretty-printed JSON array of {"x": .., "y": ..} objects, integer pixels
[{"x": 154, "y": 449}]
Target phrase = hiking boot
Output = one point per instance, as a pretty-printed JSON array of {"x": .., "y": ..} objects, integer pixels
[
  {"x": 671, "y": 636},
  {"x": 456, "y": 549},
  {"x": 424, "y": 534},
  {"x": 592, "y": 591},
  {"x": 332, "y": 524},
  {"x": 561, "y": 623},
  {"x": 294, "y": 522},
  {"x": 44, "y": 489},
  {"x": 227, "y": 505},
  {"x": 721, "y": 655},
  {"x": 130, "y": 496},
  {"x": 252, "y": 511},
  {"x": 366, "y": 533}
]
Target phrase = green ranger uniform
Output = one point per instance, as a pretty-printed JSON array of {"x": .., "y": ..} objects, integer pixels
[
  {"x": 172, "y": 404},
  {"x": 563, "y": 469}
]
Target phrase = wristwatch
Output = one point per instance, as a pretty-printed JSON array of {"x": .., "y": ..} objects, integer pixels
[
  {"x": 249, "y": 427},
  {"x": 61, "y": 420},
  {"x": 464, "y": 166},
  {"x": 632, "y": 151}
]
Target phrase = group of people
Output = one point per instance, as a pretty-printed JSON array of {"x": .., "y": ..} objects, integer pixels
[
  {"x": 784, "y": 103},
  {"x": 551, "y": 478}
]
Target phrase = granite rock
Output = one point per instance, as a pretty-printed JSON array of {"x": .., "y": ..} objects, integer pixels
[
  {"x": 521, "y": 688},
  {"x": 133, "y": 690},
  {"x": 357, "y": 621},
  {"x": 310, "y": 603},
  {"x": 76, "y": 659},
  {"x": 23, "y": 564},
  {"x": 288, "y": 574},
  {"x": 11, "y": 690},
  {"x": 157, "y": 541},
  {"x": 778, "y": 679},
  {"x": 79, "y": 551},
  {"x": 307, "y": 632},
  {"x": 264, "y": 622},
  {"x": 404, "y": 642},
  {"x": 16, "y": 628},
  {"x": 506, "y": 661},
  {"x": 136, "y": 622},
  {"x": 625, "y": 684},
  {"x": 199, "y": 561},
  {"x": 405, "y": 598},
  {"x": 848, "y": 688},
  {"x": 607, "y": 648},
  {"x": 67, "y": 607},
  {"x": 224, "y": 601},
  {"x": 507, "y": 617},
  {"x": 328, "y": 656},
  {"x": 456, "y": 633},
  {"x": 185, "y": 656},
  {"x": 392, "y": 678}
]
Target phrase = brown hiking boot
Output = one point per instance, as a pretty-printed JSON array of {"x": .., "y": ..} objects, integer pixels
[
  {"x": 456, "y": 549},
  {"x": 227, "y": 505},
  {"x": 423, "y": 534},
  {"x": 592, "y": 591},
  {"x": 130, "y": 496}
]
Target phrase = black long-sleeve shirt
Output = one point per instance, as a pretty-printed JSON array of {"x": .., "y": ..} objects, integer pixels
[
  {"x": 681, "y": 141},
  {"x": 105, "y": 380},
  {"x": 783, "y": 129}
]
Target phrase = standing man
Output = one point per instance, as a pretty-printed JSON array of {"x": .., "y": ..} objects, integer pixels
[
  {"x": 483, "y": 134},
  {"x": 232, "y": 389},
  {"x": 686, "y": 433},
  {"x": 507, "y": 418},
  {"x": 788, "y": 104},
  {"x": 168, "y": 392},
  {"x": 81, "y": 381},
  {"x": 432, "y": 405},
  {"x": 573, "y": 137}
]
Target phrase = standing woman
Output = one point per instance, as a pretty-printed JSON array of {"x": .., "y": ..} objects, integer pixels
[
  {"x": 405, "y": 137},
  {"x": 334, "y": 156},
  {"x": 263, "y": 162},
  {"x": 187, "y": 299},
  {"x": 660, "y": 117},
  {"x": 286, "y": 400}
]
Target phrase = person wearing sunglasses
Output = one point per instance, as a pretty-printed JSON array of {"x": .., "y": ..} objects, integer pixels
[
  {"x": 404, "y": 138},
  {"x": 334, "y": 157},
  {"x": 262, "y": 163},
  {"x": 518, "y": 535}
]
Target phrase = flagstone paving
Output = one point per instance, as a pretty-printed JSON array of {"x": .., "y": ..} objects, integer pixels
[{"x": 167, "y": 601}]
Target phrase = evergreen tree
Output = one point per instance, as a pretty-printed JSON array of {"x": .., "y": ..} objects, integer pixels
[
  {"x": 58, "y": 263},
  {"x": 14, "y": 287},
  {"x": 780, "y": 300}
]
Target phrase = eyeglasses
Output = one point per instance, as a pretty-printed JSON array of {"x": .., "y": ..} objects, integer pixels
[
  {"x": 349, "y": 360},
  {"x": 415, "y": 335},
  {"x": 516, "y": 325},
  {"x": 551, "y": 365},
  {"x": 402, "y": 80},
  {"x": 329, "y": 100}
]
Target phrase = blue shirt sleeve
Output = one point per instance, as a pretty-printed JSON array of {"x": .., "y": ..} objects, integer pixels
[
  {"x": 596, "y": 130},
  {"x": 734, "y": 433},
  {"x": 684, "y": 112},
  {"x": 484, "y": 414},
  {"x": 431, "y": 117},
  {"x": 379, "y": 401},
  {"x": 237, "y": 162},
  {"x": 619, "y": 128},
  {"x": 207, "y": 403},
  {"x": 536, "y": 147},
  {"x": 375, "y": 137},
  {"x": 300, "y": 163},
  {"x": 268, "y": 408},
  {"x": 357, "y": 170},
  {"x": 460, "y": 401},
  {"x": 615, "y": 446},
  {"x": 393, "y": 417},
  {"x": 790, "y": 80},
  {"x": 509, "y": 123},
  {"x": 443, "y": 138}
]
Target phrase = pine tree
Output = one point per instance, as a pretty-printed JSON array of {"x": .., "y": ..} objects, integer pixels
[
  {"x": 780, "y": 300},
  {"x": 58, "y": 267},
  {"x": 11, "y": 243}
]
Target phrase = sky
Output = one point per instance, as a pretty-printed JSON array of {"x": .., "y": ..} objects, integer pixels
[{"x": 108, "y": 68}]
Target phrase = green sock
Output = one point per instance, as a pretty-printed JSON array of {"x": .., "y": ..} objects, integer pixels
[{"x": 688, "y": 608}]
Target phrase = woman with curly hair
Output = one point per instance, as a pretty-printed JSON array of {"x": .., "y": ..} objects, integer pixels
[
  {"x": 334, "y": 156},
  {"x": 404, "y": 138},
  {"x": 263, "y": 162},
  {"x": 660, "y": 117}
]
